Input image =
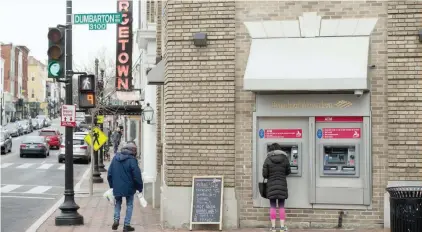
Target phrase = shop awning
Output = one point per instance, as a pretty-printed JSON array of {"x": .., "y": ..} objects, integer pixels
[
  {"x": 156, "y": 75},
  {"x": 313, "y": 64}
]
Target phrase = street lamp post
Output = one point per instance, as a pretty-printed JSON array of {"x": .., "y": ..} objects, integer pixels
[{"x": 101, "y": 166}]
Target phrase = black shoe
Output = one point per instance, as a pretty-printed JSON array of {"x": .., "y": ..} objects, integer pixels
[
  {"x": 128, "y": 228},
  {"x": 115, "y": 225}
]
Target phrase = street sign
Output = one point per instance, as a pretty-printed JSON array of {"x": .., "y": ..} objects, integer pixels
[
  {"x": 68, "y": 116},
  {"x": 97, "y": 140},
  {"x": 97, "y": 26},
  {"x": 100, "y": 119},
  {"x": 98, "y": 18}
]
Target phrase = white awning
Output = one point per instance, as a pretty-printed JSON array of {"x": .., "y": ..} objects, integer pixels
[
  {"x": 313, "y": 64},
  {"x": 156, "y": 75}
]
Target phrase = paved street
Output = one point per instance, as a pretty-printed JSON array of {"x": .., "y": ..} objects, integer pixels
[{"x": 30, "y": 186}]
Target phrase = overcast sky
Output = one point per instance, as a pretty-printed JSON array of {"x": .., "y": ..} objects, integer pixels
[{"x": 26, "y": 22}]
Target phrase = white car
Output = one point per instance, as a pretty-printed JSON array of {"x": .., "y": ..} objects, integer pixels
[
  {"x": 81, "y": 150},
  {"x": 81, "y": 133}
]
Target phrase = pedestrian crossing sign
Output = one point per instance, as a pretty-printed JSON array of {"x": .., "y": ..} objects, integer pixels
[{"x": 97, "y": 139}]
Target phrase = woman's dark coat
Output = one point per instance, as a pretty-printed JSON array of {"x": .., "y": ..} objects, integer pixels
[{"x": 276, "y": 168}]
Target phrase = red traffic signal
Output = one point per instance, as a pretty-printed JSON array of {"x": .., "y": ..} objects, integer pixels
[{"x": 54, "y": 35}]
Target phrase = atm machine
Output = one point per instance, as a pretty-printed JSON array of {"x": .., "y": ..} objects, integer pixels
[
  {"x": 293, "y": 150},
  {"x": 296, "y": 145},
  {"x": 342, "y": 166}
]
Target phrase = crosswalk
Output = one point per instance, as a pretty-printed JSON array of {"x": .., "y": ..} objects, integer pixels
[
  {"x": 30, "y": 189},
  {"x": 38, "y": 166}
]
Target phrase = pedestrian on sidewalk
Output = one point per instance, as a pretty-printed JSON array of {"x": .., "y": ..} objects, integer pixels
[
  {"x": 115, "y": 138},
  {"x": 275, "y": 169},
  {"x": 124, "y": 177}
]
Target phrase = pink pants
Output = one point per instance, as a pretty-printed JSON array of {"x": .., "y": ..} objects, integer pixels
[{"x": 273, "y": 207}]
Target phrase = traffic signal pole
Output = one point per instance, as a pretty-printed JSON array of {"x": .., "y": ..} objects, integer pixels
[{"x": 69, "y": 209}]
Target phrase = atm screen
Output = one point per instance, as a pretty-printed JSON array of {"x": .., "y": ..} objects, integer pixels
[{"x": 336, "y": 155}]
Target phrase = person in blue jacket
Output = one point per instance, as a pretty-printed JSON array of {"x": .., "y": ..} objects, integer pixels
[{"x": 124, "y": 177}]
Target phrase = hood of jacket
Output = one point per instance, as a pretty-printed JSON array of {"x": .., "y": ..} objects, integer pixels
[
  {"x": 124, "y": 155},
  {"x": 276, "y": 156}
]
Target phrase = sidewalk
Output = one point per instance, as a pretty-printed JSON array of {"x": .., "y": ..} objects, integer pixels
[{"x": 98, "y": 215}]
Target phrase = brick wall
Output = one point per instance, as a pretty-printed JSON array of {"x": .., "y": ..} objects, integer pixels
[
  {"x": 404, "y": 90},
  {"x": 16, "y": 73},
  {"x": 199, "y": 92},
  {"x": 282, "y": 10},
  {"x": 5, "y": 54}
]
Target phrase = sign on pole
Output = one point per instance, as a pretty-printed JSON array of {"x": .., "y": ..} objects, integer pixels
[
  {"x": 97, "y": 140},
  {"x": 98, "y": 21},
  {"x": 68, "y": 116}
]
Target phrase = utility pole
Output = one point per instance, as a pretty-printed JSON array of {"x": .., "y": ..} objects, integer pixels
[
  {"x": 69, "y": 209},
  {"x": 101, "y": 166},
  {"x": 96, "y": 175}
]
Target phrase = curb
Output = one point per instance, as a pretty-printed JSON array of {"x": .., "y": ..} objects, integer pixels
[{"x": 34, "y": 227}]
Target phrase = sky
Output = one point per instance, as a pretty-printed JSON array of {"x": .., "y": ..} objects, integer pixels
[{"x": 26, "y": 22}]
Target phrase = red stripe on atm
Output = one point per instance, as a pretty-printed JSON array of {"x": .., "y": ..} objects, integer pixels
[{"x": 339, "y": 119}]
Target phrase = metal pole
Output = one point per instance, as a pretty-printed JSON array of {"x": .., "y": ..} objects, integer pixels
[
  {"x": 96, "y": 175},
  {"x": 101, "y": 166},
  {"x": 91, "y": 181},
  {"x": 69, "y": 209}
]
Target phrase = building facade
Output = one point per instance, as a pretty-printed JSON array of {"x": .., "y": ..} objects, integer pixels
[
  {"x": 37, "y": 79},
  {"x": 36, "y": 85},
  {"x": 10, "y": 78},
  {"x": 336, "y": 84},
  {"x": 2, "y": 106}
]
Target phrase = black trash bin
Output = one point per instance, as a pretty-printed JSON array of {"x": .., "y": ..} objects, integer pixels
[{"x": 405, "y": 209}]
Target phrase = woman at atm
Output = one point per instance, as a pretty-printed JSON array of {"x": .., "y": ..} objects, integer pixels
[{"x": 275, "y": 169}]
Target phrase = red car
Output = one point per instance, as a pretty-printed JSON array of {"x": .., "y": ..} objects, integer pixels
[{"x": 53, "y": 137}]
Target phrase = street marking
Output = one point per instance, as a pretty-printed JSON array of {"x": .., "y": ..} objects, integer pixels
[
  {"x": 25, "y": 165},
  {"x": 34, "y": 227},
  {"x": 38, "y": 189},
  {"x": 42, "y": 198},
  {"x": 45, "y": 166},
  {"x": 61, "y": 167},
  {"x": 5, "y": 165},
  {"x": 9, "y": 187}
]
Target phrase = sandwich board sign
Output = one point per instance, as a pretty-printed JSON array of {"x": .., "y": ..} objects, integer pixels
[{"x": 68, "y": 118}]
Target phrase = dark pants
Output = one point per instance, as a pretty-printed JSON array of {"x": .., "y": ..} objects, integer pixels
[{"x": 116, "y": 146}]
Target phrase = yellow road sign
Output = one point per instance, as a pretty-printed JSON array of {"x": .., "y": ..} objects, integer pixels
[
  {"x": 99, "y": 138},
  {"x": 100, "y": 119}
]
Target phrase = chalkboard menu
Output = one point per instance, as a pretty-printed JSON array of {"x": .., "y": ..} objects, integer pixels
[{"x": 207, "y": 200}]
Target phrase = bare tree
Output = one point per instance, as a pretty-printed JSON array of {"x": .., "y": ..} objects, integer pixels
[{"x": 106, "y": 63}]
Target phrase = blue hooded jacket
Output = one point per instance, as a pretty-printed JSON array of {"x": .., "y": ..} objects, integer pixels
[{"x": 124, "y": 174}]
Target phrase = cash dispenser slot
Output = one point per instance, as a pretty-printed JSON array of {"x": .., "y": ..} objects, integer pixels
[{"x": 339, "y": 160}]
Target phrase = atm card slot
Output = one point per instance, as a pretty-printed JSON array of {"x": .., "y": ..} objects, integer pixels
[
  {"x": 348, "y": 169},
  {"x": 294, "y": 168},
  {"x": 330, "y": 168}
]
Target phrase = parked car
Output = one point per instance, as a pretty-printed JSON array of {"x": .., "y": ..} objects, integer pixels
[
  {"x": 41, "y": 123},
  {"x": 34, "y": 145},
  {"x": 5, "y": 142},
  {"x": 81, "y": 150},
  {"x": 13, "y": 129},
  {"x": 26, "y": 128},
  {"x": 54, "y": 137},
  {"x": 20, "y": 128},
  {"x": 35, "y": 124},
  {"x": 47, "y": 122}
]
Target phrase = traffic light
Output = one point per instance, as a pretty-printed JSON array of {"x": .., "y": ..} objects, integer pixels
[
  {"x": 56, "y": 52},
  {"x": 86, "y": 86}
]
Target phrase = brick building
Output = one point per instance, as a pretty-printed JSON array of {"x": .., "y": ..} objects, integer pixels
[{"x": 220, "y": 104}]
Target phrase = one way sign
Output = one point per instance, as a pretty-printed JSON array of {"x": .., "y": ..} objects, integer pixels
[{"x": 68, "y": 116}]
